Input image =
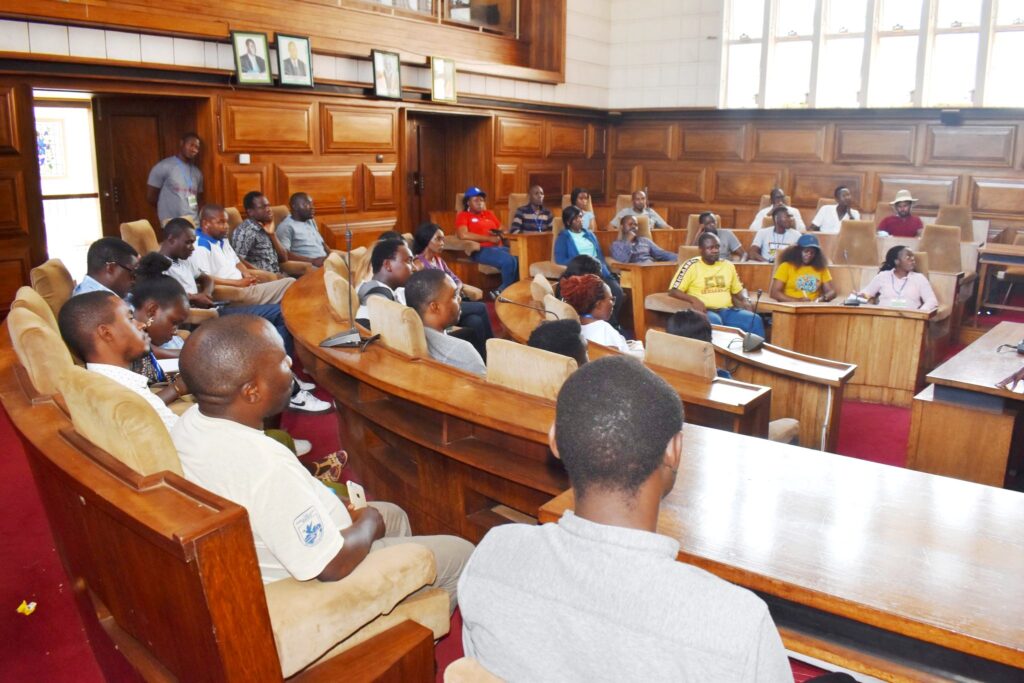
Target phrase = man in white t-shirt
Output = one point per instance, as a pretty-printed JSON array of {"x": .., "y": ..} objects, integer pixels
[
  {"x": 778, "y": 198},
  {"x": 830, "y": 216},
  {"x": 769, "y": 242},
  {"x": 239, "y": 373},
  {"x": 214, "y": 256}
]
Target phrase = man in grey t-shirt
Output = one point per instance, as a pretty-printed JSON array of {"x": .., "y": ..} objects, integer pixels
[
  {"x": 175, "y": 185},
  {"x": 299, "y": 234},
  {"x": 434, "y": 296},
  {"x": 600, "y": 595},
  {"x": 639, "y": 208}
]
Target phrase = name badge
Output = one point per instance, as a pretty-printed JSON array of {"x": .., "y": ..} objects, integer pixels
[
  {"x": 193, "y": 203},
  {"x": 898, "y": 303}
]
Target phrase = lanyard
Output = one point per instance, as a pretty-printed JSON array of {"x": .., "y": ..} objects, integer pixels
[
  {"x": 899, "y": 292},
  {"x": 186, "y": 171},
  {"x": 160, "y": 376}
]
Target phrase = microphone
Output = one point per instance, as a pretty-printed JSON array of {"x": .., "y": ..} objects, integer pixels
[
  {"x": 349, "y": 338},
  {"x": 545, "y": 311},
  {"x": 751, "y": 341}
]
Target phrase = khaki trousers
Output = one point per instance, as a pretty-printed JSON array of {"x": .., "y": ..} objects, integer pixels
[{"x": 263, "y": 293}]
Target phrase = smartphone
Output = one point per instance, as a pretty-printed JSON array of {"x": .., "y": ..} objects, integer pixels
[{"x": 356, "y": 495}]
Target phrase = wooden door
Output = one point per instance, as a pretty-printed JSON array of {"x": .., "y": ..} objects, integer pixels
[
  {"x": 22, "y": 235},
  {"x": 132, "y": 134},
  {"x": 426, "y": 148}
]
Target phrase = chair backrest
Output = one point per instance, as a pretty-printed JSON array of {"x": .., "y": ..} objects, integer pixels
[
  {"x": 687, "y": 355},
  {"x": 559, "y": 308},
  {"x": 922, "y": 263},
  {"x": 341, "y": 297},
  {"x": 822, "y": 201},
  {"x": 40, "y": 350},
  {"x": 523, "y": 368},
  {"x": 766, "y": 199},
  {"x": 942, "y": 244},
  {"x": 119, "y": 421},
  {"x": 693, "y": 226},
  {"x": 567, "y": 199},
  {"x": 557, "y": 226},
  {"x": 336, "y": 261},
  {"x": 1018, "y": 239},
  {"x": 847, "y": 279},
  {"x": 140, "y": 235},
  {"x": 623, "y": 201},
  {"x": 687, "y": 252},
  {"x": 280, "y": 212},
  {"x": 515, "y": 200},
  {"x": 540, "y": 288},
  {"x": 857, "y": 244},
  {"x": 29, "y": 299},
  {"x": 53, "y": 282},
  {"x": 234, "y": 218},
  {"x": 399, "y": 327},
  {"x": 882, "y": 209},
  {"x": 643, "y": 226},
  {"x": 960, "y": 216},
  {"x": 458, "y": 202}
]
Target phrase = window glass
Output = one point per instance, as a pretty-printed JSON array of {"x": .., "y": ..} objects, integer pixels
[
  {"x": 486, "y": 13},
  {"x": 1002, "y": 89},
  {"x": 953, "y": 13},
  {"x": 845, "y": 16},
  {"x": 954, "y": 62},
  {"x": 746, "y": 18},
  {"x": 744, "y": 76},
  {"x": 795, "y": 18},
  {"x": 894, "y": 72},
  {"x": 1010, "y": 12},
  {"x": 896, "y": 14},
  {"x": 789, "y": 77},
  {"x": 840, "y": 61}
]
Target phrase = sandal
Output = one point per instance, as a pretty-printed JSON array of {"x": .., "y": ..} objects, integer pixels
[{"x": 328, "y": 469}]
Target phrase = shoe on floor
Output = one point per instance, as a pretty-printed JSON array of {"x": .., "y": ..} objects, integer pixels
[
  {"x": 328, "y": 469},
  {"x": 302, "y": 447},
  {"x": 308, "y": 403},
  {"x": 303, "y": 384}
]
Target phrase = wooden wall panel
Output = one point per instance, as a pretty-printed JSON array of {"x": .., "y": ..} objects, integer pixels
[
  {"x": 8, "y": 129},
  {"x": 990, "y": 145},
  {"x": 645, "y": 141},
  {"x": 592, "y": 179},
  {"x": 325, "y": 184},
  {"x": 364, "y": 232},
  {"x": 859, "y": 144},
  {"x": 359, "y": 129},
  {"x": 15, "y": 264},
  {"x": 280, "y": 125},
  {"x": 519, "y": 136},
  {"x": 930, "y": 191},
  {"x": 675, "y": 184},
  {"x": 714, "y": 142},
  {"x": 1004, "y": 196},
  {"x": 789, "y": 143},
  {"x": 505, "y": 177},
  {"x": 566, "y": 139},
  {"x": 552, "y": 179},
  {"x": 809, "y": 186},
  {"x": 598, "y": 139},
  {"x": 380, "y": 187},
  {"x": 240, "y": 179},
  {"x": 13, "y": 212},
  {"x": 626, "y": 179},
  {"x": 740, "y": 187}
]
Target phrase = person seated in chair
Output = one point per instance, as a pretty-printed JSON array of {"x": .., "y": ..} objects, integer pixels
[
  {"x": 564, "y": 337},
  {"x": 110, "y": 267},
  {"x": 299, "y": 233},
  {"x": 768, "y": 242},
  {"x": 534, "y": 216},
  {"x": 240, "y": 374},
  {"x": 592, "y": 300},
  {"x": 600, "y": 595},
  {"x": 575, "y": 240},
  {"x": 434, "y": 296},
  {"x": 631, "y": 248},
  {"x": 214, "y": 257},
  {"x": 391, "y": 264},
  {"x": 477, "y": 224},
  {"x": 831, "y": 216},
  {"x": 253, "y": 241},
  {"x": 777, "y": 198},
  {"x": 899, "y": 285},
  {"x": 711, "y": 286},
  {"x": 803, "y": 275},
  {"x": 901, "y": 223},
  {"x": 731, "y": 247},
  {"x": 580, "y": 198},
  {"x": 161, "y": 305},
  {"x": 693, "y": 325},
  {"x": 640, "y": 207}
]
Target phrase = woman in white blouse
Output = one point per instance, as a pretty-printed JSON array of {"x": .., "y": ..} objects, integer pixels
[
  {"x": 899, "y": 286},
  {"x": 591, "y": 298}
]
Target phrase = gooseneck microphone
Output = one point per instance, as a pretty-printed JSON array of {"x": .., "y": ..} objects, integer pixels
[
  {"x": 545, "y": 311},
  {"x": 349, "y": 338},
  {"x": 751, "y": 341}
]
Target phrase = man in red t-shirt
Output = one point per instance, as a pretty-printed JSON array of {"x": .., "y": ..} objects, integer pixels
[
  {"x": 477, "y": 224},
  {"x": 901, "y": 223}
]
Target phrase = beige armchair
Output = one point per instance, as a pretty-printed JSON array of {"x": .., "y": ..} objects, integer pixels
[
  {"x": 550, "y": 269},
  {"x": 40, "y": 350},
  {"x": 29, "y": 299},
  {"x": 960, "y": 216},
  {"x": 141, "y": 235},
  {"x": 523, "y": 368},
  {"x": 399, "y": 327},
  {"x": 53, "y": 283},
  {"x": 856, "y": 245}
]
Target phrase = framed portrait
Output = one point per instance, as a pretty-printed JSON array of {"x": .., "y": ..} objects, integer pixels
[
  {"x": 387, "y": 75},
  {"x": 252, "y": 58},
  {"x": 442, "y": 80},
  {"x": 294, "y": 60}
]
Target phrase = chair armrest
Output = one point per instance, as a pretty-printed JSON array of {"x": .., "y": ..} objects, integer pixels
[
  {"x": 296, "y": 268},
  {"x": 309, "y": 618},
  {"x": 472, "y": 293},
  {"x": 468, "y": 670},
  {"x": 198, "y": 315},
  {"x": 466, "y": 246}
]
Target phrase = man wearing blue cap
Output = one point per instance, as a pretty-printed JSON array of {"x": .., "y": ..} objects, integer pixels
[
  {"x": 477, "y": 224},
  {"x": 802, "y": 275}
]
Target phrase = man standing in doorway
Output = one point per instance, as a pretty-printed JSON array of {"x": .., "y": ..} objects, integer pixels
[{"x": 175, "y": 184}]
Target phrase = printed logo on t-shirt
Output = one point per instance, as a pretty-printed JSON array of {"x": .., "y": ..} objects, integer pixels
[
  {"x": 807, "y": 283},
  {"x": 309, "y": 527},
  {"x": 713, "y": 284}
]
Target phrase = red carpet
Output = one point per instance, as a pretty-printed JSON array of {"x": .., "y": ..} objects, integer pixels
[{"x": 51, "y": 645}]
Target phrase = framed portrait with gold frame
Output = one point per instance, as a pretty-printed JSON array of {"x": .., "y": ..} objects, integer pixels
[{"x": 442, "y": 80}]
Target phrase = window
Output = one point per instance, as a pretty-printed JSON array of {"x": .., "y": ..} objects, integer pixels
[
  {"x": 874, "y": 53},
  {"x": 500, "y": 16}
]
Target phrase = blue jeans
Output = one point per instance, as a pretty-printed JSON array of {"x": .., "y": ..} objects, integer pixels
[
  {"x": 737, "y": 317},
  {"x": 500, "y": 259},
  {"x": 270, "y": 312}
]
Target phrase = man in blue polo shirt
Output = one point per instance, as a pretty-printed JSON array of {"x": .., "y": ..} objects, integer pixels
[
  {"x": 110, "y": 267},
  {"x": 299, "y": 234}
]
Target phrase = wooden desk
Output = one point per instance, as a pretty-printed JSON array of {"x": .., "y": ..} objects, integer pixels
[
  {"x": 913, "y": 576},
  {"x": 803, "y": 387},
  {"x": 724, "y": 404},
  {"x": 886, "y": 344},
  {"x": 530, "y": 247},
  {"x": 996, "y": 256},
  {"x": 963, "y": 425}
]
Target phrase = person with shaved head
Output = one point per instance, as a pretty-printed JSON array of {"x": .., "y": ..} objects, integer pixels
[
  {"x": 299, "y": 233},
  {"x": 241, "y": 375}
]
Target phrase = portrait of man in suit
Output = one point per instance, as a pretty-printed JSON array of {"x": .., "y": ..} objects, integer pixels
[
  {"x": 252, "y": 62},
  {"x": 293, "y": 66},
  {"x": 387, "y": 80},
  {"x": 294, "y": 61},
  {"x": 252, "y": 57}
]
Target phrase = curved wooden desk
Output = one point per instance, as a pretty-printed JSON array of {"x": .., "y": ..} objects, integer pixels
[{"x": 725, "y": 404}]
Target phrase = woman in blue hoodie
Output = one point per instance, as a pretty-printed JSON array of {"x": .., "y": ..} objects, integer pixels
[{"x": 574, "y": 240}]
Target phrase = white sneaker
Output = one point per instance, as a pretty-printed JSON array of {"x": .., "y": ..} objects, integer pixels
[
  {"x": 302, "y": 447},
  {"x": 308, "y": 403},
  {"x": 303, "y": 384}
]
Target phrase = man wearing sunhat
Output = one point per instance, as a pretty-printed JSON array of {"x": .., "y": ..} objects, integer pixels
[{"x": 901, "y": 223}]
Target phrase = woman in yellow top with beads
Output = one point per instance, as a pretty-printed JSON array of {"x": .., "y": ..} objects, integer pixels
[{"x": 802, "y": 275}]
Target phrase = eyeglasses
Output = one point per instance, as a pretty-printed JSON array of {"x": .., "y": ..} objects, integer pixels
[{"x": 131, "y": 271}]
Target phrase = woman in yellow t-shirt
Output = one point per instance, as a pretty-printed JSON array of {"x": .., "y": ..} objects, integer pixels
[{"x": 803, "y": 274}]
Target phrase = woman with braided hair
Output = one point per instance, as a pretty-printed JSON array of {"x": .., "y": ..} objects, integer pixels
[{"x": 592, "y": 299}]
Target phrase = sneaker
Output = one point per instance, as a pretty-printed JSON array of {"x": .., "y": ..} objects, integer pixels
[
  {"x": 328, "y": 469},
  {"x": 303, "y": 384},
  {"x": 308, "y": 403},
  {"x": 302, "y": 447}
]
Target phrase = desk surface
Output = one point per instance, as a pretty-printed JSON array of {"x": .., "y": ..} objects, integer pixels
[
  {"x": 980, "y": 365},
  {"x": 930, "y": 557},
  {"x": 728, "y": 342}
]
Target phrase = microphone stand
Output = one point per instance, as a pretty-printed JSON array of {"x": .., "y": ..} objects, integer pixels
[
  {"x": 545, "y": 311},
  {"x": 751, "y": 341},
  {"x": 349, "y": 338}
]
